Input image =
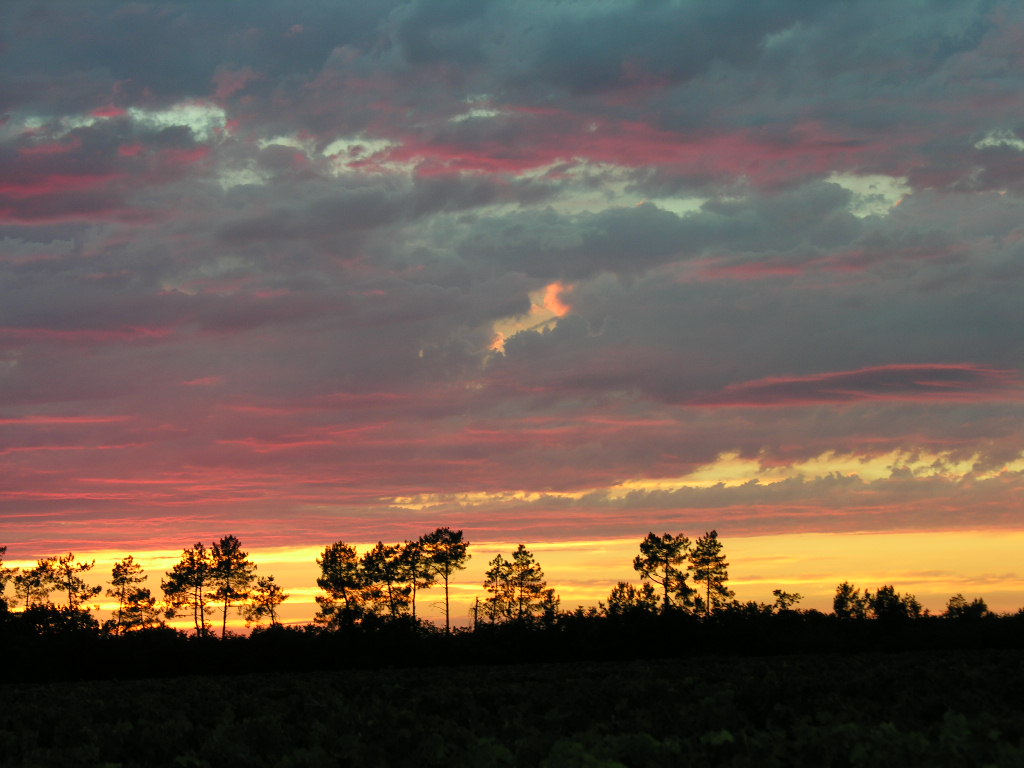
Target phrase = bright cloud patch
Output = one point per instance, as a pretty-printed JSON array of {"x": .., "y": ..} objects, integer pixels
[
  {"x": 206, "y": 121},
  {"x": 546, "y": 306},
  {"x": 359, "y": 154},
  {"x": 1001, "y": 138},
  {"x": 873, "y": 194},
  {"x": 731, "y": 470}
]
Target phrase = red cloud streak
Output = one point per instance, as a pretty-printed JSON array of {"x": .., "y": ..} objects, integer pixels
[{"x": 964, "y": 382}]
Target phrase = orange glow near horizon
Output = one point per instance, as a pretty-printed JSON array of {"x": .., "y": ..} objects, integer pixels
[{"x": 975, "y": 563}]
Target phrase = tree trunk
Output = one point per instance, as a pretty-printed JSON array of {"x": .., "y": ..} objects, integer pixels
[{"x": 447, "y": 621}]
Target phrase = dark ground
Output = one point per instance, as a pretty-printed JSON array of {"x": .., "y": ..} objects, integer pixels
[{"x": 907, "y": 708}]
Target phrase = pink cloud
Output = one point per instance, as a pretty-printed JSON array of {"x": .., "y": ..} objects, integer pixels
[
  {"x": 53, "y": 184},
  {"x": 231, "y": 81},
  {"x": 43, "y": 420},
  {"x": 205, "y": 381},
  {"x": 92, "y": 335},
  {"x": 917, "y": 382},
  {"x": 53, "y": 148},
  {"x": 549, "y": 136},
  {"x": 109, "y": 111}
]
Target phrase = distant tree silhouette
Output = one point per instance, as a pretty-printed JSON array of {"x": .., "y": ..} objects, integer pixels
[
  {"x": 342, "y": 579},
  {"x": 661, "y": 561},
  {"x": 385, "y": 590},
  {"x": 67, "y": 579},
  {"x": 126, "y": 576},
  {"x": 548, "y": 606},
  {"x": 140, "y": 610},
  {"x": 231, "y": 575},
  {"x": 32, "y": 587},
  {"x": 518, "y": 591},
  {"x": 625, "y": 599},
  {"x": 957, "y": 607},
  {"x": 416, "y": 569},
  {"x": 264, "y": 600},
  {"x": 848, "y": 602},
  {"x": 48, "y": 619},
  {"x": 497, "y": 584},
  {"x": 187, "y": 584},
  {"x": 710, "y": 571},
  {"x": 784, "y": 601},
  {"x": 6, "y": 574},
  {"x": 446, "y": 552},
  {"x": 889, "y": 605}
]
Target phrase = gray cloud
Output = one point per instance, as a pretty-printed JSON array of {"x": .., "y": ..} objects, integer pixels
[{"x": 783, "y": 231}]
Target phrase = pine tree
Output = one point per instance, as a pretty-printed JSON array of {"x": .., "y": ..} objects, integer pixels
[
  {"x": 625, "y": 599},
  {"x": 386, "y": 590},
  {"x": 446, "y": 553},
  {"x": 126, "y": 576},
  {"x": 661, "y": 561},
  {"x": 186, "y": 586},
  {"x": 140, "y": 610},
  {"x": 497, "y": 584},
  {"x": 264, "y": 600},
  {"x": 32, "y": 587},
  {"x": 343, "y": 581},
  {"x": 528, "y": 585},
  {"x": 67, "y": 579},
  {"x": 6, "y": 574},
  {"x": 416, "y": 568},
  {"x": 517, "y": 589},
  {"x": 231, "y": 575},
  {"x": 710, "y": 571}
]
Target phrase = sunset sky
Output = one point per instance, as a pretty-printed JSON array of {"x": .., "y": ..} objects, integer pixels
[{"x": 559, "y": 273}]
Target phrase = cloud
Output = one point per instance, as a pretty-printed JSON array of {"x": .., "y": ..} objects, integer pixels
[
  {"x": 894, "y": 382},
  {"x": 254, "y": 261}
]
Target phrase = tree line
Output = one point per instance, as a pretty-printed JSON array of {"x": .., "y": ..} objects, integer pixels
[{"x": 382, "y": 586}]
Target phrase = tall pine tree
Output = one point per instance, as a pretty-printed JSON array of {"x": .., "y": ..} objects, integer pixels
[
  {"x": 231, "y": 575},
  {"x": 710, "y": 572},
  {"x": 187, "y": 586},
  {"x": 661, "y": 561}
]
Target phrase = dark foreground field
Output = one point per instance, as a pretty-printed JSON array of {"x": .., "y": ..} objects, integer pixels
[{"x": 900, "y": 709}]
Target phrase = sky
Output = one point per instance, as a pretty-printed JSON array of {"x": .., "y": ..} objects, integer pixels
[{"x": 559, "y": 273}]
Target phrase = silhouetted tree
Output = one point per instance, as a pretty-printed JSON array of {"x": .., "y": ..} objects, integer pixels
[
  {"x": 231, "y": 575},
  {"x": 710, "y": 571},
  {"x": 67, "y": 579},
  {"x": 528, "y": 584},
  {"x": 140, "y": 610},
  {"x": 416, "y": 569},
  {"x": 548, "y": 605},
  {"x": 186, "y": 585},
  {"x": 848, "y": 602},
  {"x": 958, "y": 608},
  {"x": 661, "y": 561},
  {"x": 32, "y": 587},
  {"x": 888, "y": 605},
  {"x": 446, "y": 552},
  {"x": 48, "y": 619},
  {"x": 625, "y": 599},
  {"x": 6, "y": 574},
  {"x": 126, "y": 576},
  {"x": 342, "y": 579},
  {"x": 264, "y": 600},
  {"x": 784, "y": 601},
  {"x": 497, "y": 607},
  {"x": 518, "y": 591},
  {"x": 385, "y": 590}
]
